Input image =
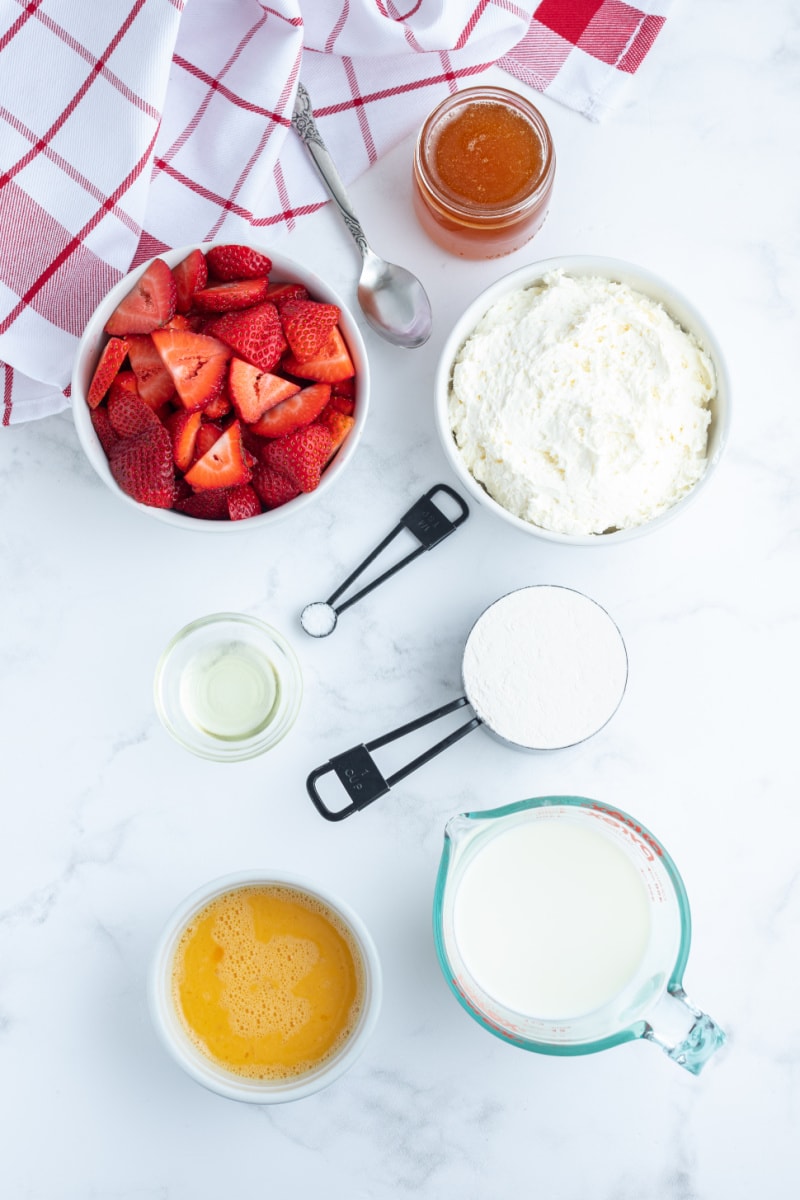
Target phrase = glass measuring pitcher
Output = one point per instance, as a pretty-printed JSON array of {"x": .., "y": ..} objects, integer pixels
[{"x": 563, "y": 926}]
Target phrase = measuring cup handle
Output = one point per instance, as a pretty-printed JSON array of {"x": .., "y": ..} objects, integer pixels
[
  {"x": 686, "y": 1034},
  {"x": 428, "y": 524},
  {"x": 360, "y": 776}
]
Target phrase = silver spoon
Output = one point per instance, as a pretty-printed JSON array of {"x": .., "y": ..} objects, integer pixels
[{"x": 392, "y": 299}]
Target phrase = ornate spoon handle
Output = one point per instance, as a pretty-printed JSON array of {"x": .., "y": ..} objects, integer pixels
[{"x": 304, "y": 123}]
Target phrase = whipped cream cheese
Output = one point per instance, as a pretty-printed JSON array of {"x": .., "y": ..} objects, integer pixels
[{"x": 581, "y": 405}]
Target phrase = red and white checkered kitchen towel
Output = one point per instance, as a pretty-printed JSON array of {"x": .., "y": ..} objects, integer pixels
[{"x": 129, "y": 126}]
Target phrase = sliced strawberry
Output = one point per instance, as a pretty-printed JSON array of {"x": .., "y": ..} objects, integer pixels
[
  {"x": 300, "y": 456},
  {"x": 191, "y": 275},
  {"x": 129, "y": 414},
  {"x": 149, "y": 304},
  {"x": 338, "y": 425},
  {"x": 279, "y": 293},
  {"x": 243, "y": 502},
  {"x": 125, "y": 380},
  {"x": 209, "y": 506},
  {"x": 237, "y": 262},
  {"x": 183, "y": 429},
  {"x": 330, "y": 365},
  {"x": 111, "y": 360},
  {"x": 153, "y": 380},
  {"x": 224, "y": 465},
  {"x": 343, "y": 404},
  {"x": 182, "y": 489},
  {"x": 344, "y": 388},
  {"x": 218, "y": 407},
  {"x": 106, "y": 433},
  {"x": 142, "y": 466},
  {"x": 253, "y": 392},
  {"x": 226, "y": 297},
  {"x": 179, "y": 321},
  {"x": 196, "y": 362},
  {"x": 208, "y": 433},
  {"x": 255, "y": 334},
  {"x": 308, "y": 325},
  {"x": 273, "y": 489},
  {"x": 299, "y": 410}
]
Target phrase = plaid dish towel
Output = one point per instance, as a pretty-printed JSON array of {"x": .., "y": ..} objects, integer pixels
[{"x": 130, "y": 126}]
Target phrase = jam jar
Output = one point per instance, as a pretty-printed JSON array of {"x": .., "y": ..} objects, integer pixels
[{"x": 484, "y": 166}]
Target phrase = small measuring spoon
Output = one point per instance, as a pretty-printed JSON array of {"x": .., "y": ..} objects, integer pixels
[
  {"x": 429, "y": 525},
  {"x": 392, "y": 299}
]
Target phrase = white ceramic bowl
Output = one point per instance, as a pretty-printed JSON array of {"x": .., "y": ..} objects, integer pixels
[
  {"x": 641, "y": 280},
  {"x": 93, "y": 340},
  {"x": 216, "y": 1078}
]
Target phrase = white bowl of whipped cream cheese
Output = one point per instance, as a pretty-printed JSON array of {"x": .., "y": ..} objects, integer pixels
[{"x": 583, "y": 399}]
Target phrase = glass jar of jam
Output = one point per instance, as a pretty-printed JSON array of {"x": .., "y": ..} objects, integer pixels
[{"x": 483, "y": 172}]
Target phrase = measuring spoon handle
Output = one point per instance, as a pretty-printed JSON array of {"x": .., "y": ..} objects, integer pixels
[
  {"x": 359, "y": 774},
  {"x": 305, "y": 125}
]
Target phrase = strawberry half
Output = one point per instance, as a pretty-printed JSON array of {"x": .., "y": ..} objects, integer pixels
[
  {"x": 300, "y": 456},
  {"x": 149, "y": 304},
  {"x": 142, "y": 466},
  {"x": 219, "y": 407},
  {"x": 207, "y": 506},
  {"x": 129, "y": 415},
  {"x": 183, "y": 429},
  {"x": 191, "y": 274},
  {"x": 253, "y": 392},
  {"x": 237, "y": 262},
  {"x": 124, "y": 381},
  {"x": 279, "y": 293},
  {"x": 273, "y": 489},
  {"x": 225, "y": 297},
  {"x": 224, "y": 465},
  {"x": 330, "y": 365},
  {"x": 255, "y": 334},
  {"x": 106, "y": 434},
  {"x": 111, "y": 360},
  {"x": 208, "y": 433},
  {"x": 196, "y": 362},
  {"x": 338, "y": 425},
  {"x": 153, "y": 380},
  {"x": 308, "y": 325},
  {"x": 243, "y": 502},
  {"x": 299, "y": 410}
]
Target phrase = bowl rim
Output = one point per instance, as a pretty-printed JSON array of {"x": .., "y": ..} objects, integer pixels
[
  {"x": 93, "y": 338},
  {"x": 642, "y": 279},
  {"x": 203, "y": 1070}
]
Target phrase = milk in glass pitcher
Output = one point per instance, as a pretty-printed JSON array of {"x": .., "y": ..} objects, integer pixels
[{"x": 562, "y": 926}]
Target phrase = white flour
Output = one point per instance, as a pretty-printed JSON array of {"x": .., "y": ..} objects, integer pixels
[{"x": 545, "y": 667}]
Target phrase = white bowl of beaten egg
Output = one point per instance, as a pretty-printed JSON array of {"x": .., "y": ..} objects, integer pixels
[
  {"x": 583, "y": 399},
  {"x": 264, "y": 986}
]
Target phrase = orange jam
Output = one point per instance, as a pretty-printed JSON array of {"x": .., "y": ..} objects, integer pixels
[
  {"x": 483, "y": 172},
  {"x": 487, "y": 153}
]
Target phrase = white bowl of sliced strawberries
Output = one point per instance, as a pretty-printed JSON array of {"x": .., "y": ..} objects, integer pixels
[{"x": 220, "y": 384}]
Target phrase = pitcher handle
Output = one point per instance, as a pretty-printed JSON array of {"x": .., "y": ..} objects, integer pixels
[{"x": 696, "y": 1038}]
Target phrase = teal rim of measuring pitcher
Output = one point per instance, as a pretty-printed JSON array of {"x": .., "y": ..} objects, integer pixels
[{"x": 629, "y": 1033}]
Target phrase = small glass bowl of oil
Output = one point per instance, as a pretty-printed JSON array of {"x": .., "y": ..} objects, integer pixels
[{"x": 228, "y": 687}]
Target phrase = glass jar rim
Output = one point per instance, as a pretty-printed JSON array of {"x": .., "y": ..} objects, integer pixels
[{"x": 446, "y": 202}]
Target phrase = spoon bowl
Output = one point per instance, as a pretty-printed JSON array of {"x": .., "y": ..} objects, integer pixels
[{"x": 393, "y": 300}]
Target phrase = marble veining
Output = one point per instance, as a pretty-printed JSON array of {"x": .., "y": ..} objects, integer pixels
[{"x": 108, "y": 823}]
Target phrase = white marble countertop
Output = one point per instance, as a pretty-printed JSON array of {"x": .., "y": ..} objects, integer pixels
[{"x": 108, "y": 823}]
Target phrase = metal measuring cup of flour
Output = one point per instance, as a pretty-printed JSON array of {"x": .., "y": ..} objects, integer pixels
[{"x": 544, "y": 668}]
